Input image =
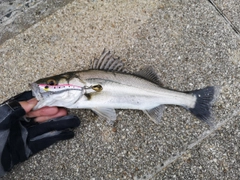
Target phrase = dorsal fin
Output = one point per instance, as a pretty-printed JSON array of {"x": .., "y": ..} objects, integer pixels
[
  {"x": 108, "y": 63},
  {"x": 149, "y": 74}
]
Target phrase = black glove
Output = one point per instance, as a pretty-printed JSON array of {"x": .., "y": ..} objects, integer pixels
[{"x": 21, "y": 139}]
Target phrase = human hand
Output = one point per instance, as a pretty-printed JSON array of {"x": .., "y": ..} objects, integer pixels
[
  {"x": 21, "y": 139},
  {"x": 43, "y": 114}
]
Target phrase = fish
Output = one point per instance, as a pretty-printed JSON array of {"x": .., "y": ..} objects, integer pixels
[{"x": 107, "y": 86}]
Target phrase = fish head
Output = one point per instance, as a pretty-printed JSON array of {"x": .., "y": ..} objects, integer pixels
[{"x": 61, "y": 90}]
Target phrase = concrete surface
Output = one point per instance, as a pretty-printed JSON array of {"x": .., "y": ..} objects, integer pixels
[
  {"x": 187, "y": 42},
  {"x": 17, "y": 15}
]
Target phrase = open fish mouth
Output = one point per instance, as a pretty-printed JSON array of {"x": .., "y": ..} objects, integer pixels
[
  {"x": 36, "y": 91},
  {"x": 40, "y": 91},
  {"x": 56, "y": 95}
]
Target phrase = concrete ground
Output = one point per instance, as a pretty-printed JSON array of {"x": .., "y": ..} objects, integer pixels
[
  {"x": 17, "y": 15},
  {"x": 188, "y": 43}
]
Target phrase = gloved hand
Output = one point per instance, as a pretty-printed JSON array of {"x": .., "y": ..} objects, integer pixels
[{"x": 21, "y": 139}]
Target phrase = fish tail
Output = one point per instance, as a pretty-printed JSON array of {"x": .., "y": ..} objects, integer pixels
[{"x": 205, "y": 98}]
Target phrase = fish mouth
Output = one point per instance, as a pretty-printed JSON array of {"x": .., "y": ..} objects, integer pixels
[
  {"x": 41, "y": 94},
  {"x": 36, "y": 91}
]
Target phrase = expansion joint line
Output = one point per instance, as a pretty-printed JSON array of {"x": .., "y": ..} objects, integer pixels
[{"x": 236, "y": 30}]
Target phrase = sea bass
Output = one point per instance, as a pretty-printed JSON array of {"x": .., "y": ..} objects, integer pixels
[{"x": 107, "y": 86}]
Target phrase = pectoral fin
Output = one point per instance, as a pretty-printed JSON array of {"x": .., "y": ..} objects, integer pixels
[
  {"x": 107, "y": 113},
  {"x": 156, "y": 113}
]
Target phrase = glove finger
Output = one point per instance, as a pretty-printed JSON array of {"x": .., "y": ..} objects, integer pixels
[
  {"x": 24, "y": 96},
  {"x": 45, "y": 140},
  {"x": 56, "y": 124},
  {"x": 11, "y": 112}
]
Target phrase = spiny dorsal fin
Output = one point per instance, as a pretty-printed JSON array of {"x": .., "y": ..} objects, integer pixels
[
  {"x": 149, "y": 74},
  {"x": 108, "y": 63}
]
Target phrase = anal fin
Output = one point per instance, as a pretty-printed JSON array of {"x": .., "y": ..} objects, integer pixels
[
  {"x": 108, "y": 113},
  {"x": 156, "y": 113}
]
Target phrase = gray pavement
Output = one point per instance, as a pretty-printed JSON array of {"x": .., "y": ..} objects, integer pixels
[
  {"x": 189, "y": 44},
  {"x": 17, "y": 15}
]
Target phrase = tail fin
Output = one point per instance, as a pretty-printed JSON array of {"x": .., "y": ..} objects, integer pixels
[{"x": 205, "y": 99}]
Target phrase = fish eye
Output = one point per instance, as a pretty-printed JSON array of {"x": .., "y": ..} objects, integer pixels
[{"x": 51, "y": 82}]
